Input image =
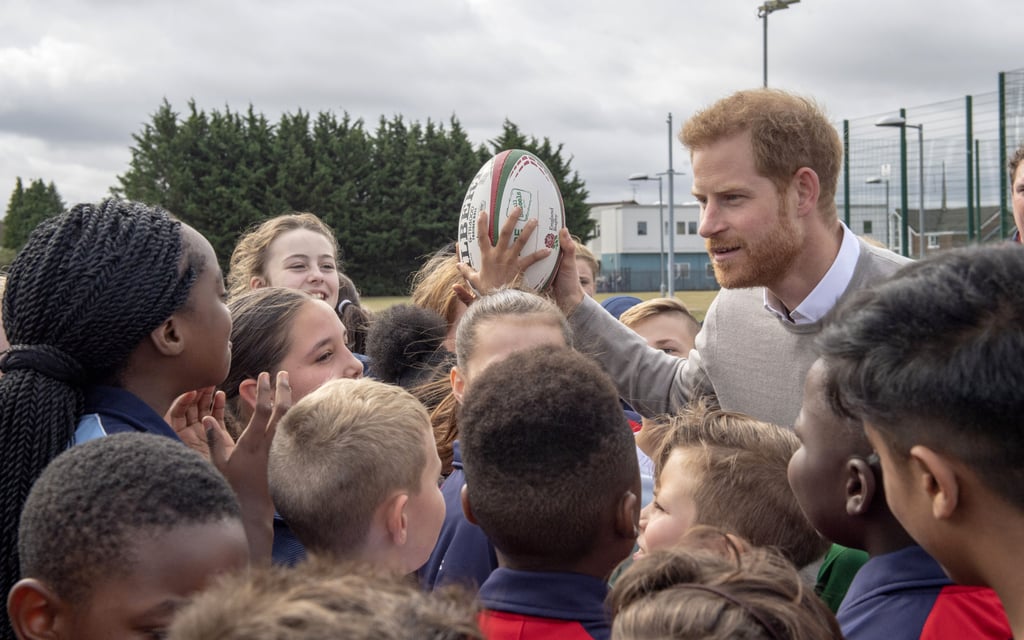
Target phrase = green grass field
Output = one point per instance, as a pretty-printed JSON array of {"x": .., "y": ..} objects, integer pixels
[{"x": 696, "y": 301}]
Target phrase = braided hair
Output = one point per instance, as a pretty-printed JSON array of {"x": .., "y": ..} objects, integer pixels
[{"x": 82, "y": 294}]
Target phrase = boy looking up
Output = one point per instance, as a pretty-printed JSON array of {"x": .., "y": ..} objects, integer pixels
[
  {"x": 727, "y": 470},
  {"x": 552, "y": 479},
  {"x": 930, "y": 362},
  {"x": 902, "y": 592}
]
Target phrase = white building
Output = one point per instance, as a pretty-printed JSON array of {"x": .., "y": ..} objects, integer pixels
[{"x": 632, "y": 244}]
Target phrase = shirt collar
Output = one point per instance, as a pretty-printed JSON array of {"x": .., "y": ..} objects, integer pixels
[
  {"x": 563, "y": 596},
  {"x": 824, "y": 296}
]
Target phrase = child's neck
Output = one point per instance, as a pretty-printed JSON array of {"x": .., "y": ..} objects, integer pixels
[
  {"x": 157, "y": 398},
  {"x": 990, "y": 540},
  {"x": 885, "y": 538},
  {"x": 585, "y": 566},
  {"x": 1010, "y": 588}
]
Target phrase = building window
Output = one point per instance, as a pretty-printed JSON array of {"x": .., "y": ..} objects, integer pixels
[
  {"x": 867, "y": 227},
  {"x": 680, "y": 228},
  {"x": 641, "y": 228},
  {"x": 683, "y": 270},
  {"x": 692, "y": 225},
  {"x": 709, "y": 270},
  {"x": 933, "y": 241}
]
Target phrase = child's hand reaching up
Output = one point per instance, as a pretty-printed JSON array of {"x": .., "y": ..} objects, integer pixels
[
  {"x": 245, "y": 463},
  {"x": 188, "y": 412}
]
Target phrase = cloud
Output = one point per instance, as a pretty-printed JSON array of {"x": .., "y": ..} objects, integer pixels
[{"x": 78, "y": 78}]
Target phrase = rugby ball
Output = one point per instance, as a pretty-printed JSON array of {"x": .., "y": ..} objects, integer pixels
[{"x": 514, "y": 178}]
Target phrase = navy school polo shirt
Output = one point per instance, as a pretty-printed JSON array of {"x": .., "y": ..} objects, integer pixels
[{"x": 539, "y": 605}]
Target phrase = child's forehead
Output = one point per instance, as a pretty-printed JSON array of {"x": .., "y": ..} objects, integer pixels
[
  {"x": 160, "y": 567},
  {"x": 690, "y": 459}
]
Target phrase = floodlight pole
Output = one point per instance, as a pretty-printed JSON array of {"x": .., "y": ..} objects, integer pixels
[
  {"x": 661, "y": 224},
  {"x": 762, "y": 13},
  {"x": 671, "y": 259},
  {"x": 901, "y": 122}
]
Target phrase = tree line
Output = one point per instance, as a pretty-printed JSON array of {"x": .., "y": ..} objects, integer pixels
[{"x": 392, "y": 195}]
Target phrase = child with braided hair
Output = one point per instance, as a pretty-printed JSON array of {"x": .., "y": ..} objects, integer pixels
[
  {"x": 113, "y": 310},
  {"x": 3, "y": 335}
]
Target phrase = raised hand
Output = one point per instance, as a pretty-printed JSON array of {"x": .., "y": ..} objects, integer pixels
[
  {"x": 501, "y": 265},
  {"x": 190, "y": 409},
  {"x": 245, "y": 466}
]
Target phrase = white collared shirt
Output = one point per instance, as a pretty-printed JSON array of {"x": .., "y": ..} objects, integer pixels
[{"x": 824, "y": 296}]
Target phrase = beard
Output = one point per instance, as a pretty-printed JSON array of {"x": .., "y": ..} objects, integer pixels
[{"x": 767, "y": 257}]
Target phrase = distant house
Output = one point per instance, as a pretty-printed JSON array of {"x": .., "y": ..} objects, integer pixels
[
  {"x": 629, "y": 242},
  {"x": 945, "y": 228}
]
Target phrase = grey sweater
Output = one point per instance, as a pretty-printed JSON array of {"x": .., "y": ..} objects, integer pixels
[{"x": 752, "y": 361}]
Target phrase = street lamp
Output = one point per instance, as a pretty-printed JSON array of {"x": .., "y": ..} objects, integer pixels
[
  {"x": 885, "y": 180},
  {"x": 762, "y": 13},
  {"x": 901, "y": 122},
  {"x": 661, "y": 223},
  {"x": 671, "y": 214}
]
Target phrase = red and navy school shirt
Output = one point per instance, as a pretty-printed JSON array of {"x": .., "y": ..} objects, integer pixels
[
  {"x": 541, "y": 605},
  {"x": 906, "y": 594}
]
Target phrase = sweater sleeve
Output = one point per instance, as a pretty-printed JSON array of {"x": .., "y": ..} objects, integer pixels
[{"x": 652, "y": 381}]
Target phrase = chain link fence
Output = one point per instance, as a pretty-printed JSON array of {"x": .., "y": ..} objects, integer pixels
[{"x": 960, "y": 147}]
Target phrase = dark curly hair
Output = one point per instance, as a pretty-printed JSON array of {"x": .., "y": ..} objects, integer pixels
[
  {"x": 546, "y": 451},
  {"x": 93, "y": 499}
]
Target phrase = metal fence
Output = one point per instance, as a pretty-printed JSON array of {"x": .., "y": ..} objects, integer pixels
[{"x": 966, "y": 145}]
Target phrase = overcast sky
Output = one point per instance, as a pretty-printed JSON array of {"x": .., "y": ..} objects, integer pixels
[{"x": 79, "y": 77}]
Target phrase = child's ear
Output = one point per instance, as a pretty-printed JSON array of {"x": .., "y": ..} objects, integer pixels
[
  {"x": 458, "y": 383},
  {"x": 936, "y": 476},
  {"x": 860, "y": 486},
  {"x": 257, "y": 282},
  {"x": 627, "y": 513},
  {"x": 34, "y": 610},
  {"x": 166, "y": 338},
  {"x": 395, "y": 520},
  {"x": 467, "y": 509},
  {"x": 247, "y": 391}
]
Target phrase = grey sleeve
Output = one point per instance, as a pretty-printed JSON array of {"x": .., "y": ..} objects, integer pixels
[{"x": 652, "y": 381}]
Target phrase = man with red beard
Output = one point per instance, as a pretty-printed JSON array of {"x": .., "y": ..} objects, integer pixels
[{"x": 765, "y": 166}]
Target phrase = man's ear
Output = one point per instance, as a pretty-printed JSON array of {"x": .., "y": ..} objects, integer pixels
[
  {"x": 458, "y": 381},
  {"x": 395, "y": 520},
  {"x": 808, "y": 190},
  {"x": 167, "y": 338},
  {"x": 257, "y": 282},
  {"x": 34, "y": 610},
  {"x": 467, "y": 509},
  {"x": 627, "y": 513},
  {"x": 936, "y": 476},
  {"x": 860, "y": 486}
]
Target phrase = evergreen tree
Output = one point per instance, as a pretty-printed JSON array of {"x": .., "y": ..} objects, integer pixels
[
  {"x": 340, "y": 183},
  {"x": 212, "y": 171},
  {"x": 27, "y": 208},
  {"x": 392, "y": 196},
  {"x": 574, "y": 190},
  {"x": 292, "y": 189}
]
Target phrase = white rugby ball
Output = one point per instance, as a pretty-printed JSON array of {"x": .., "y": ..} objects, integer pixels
[{"x": 514, "y": 178}]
